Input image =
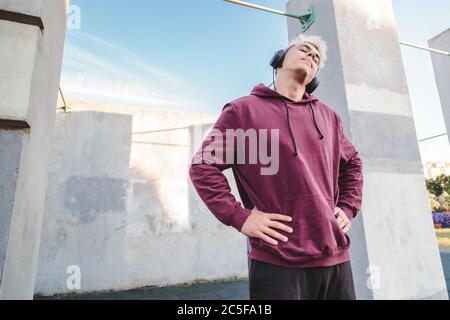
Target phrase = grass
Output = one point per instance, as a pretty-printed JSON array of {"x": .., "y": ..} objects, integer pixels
[{"x": 443, "y": 237}]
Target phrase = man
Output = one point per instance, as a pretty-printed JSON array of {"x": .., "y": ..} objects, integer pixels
[{"x": 298, "y": 217}]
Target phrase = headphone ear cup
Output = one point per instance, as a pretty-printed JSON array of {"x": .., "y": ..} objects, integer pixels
[
  {"x": 312, "y": 86},
  {"x": 277, "y": 59}
]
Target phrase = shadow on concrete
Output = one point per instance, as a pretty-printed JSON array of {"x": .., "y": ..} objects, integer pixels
[
  {"x": 97, "y": 204},
  {"x": 227, "y": 290}
]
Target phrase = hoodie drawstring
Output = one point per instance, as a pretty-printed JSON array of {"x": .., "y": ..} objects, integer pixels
[
  {"x": 290, "y": 129},
  {"x": 315, "y": 123}
]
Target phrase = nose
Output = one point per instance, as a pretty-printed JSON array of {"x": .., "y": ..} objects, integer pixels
[{"x": 311, "y": 54}]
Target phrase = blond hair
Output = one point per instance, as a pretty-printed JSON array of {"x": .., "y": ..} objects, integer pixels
[{"x": 317, "y": 42}]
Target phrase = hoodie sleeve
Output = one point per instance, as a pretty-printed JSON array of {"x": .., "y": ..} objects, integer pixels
[
  {"x": 350, "y": 176},
  {"x": 206, "y": 171}
]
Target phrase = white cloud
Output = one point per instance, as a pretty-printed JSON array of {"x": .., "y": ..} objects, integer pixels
[
  {"x": 88, "y": 76},
  {"x": 78, "y": 59},
  {"x": 127, "y": 57},
  {"x": 86, "y": 86}
]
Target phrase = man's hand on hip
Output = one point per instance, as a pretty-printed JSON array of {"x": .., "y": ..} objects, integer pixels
[{"x": 261, "y": 225}]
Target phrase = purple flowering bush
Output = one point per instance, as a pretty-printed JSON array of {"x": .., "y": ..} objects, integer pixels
[{"x": 442, "y": 218}]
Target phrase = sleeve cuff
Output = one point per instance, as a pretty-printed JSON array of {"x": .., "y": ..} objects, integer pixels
[
  {"x": 239, "y": 217},
  {"x": 347, "y": 209}
]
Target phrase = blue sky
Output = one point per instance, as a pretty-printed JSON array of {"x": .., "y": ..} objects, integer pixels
[{"x": 197, "y": 55}]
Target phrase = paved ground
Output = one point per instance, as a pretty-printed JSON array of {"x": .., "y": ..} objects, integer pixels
[
  {"x": 235, "y": 290},
  {"x": 445, "y": 256}
]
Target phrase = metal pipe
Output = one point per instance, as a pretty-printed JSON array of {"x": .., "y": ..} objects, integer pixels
[
  {"x": 445, "y": 53},
  {"x": 434, "y": 137},
  {"x": 65, "y": 107},
  {"x": 258, "y": 7},
  {"x": 62, "y": 96}
]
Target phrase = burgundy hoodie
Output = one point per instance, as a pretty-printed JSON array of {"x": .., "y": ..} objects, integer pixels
[{"x": 319, "y": 169}]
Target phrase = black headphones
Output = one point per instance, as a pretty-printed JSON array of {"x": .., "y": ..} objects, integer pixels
[{"x": 277, "y": 62}]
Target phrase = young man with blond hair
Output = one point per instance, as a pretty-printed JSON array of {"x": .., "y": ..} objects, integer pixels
[{"x": 296, "y": 218}]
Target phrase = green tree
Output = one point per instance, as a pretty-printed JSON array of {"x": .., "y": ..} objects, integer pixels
[
  {"x": 439, "y": 193},
  {"x": 439, "y": 185}
]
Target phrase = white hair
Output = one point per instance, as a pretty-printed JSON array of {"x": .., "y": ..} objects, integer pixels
[{"x": 317, "y": 42}]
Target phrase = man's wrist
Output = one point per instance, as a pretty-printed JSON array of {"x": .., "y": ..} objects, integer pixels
[
  {"x": 239, "y": 217},
  {"x": 347, "y": 210}
]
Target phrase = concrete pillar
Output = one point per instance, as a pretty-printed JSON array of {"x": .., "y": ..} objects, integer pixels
[
  {"x": 32, "y": 39},
  {"x": 441, "y": 65},
  {"x": 364, "y": 81}
]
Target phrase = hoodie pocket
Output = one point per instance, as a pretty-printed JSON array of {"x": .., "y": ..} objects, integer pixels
[{"x": 316, "y": 231}]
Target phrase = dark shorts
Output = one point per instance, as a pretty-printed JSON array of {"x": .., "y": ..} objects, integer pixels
[{"x": 272, "y": 282}]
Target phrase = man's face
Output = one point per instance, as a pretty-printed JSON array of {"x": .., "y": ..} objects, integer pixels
[{"x": 304, "y": 60}]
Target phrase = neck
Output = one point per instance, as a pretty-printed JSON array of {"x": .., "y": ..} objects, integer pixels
[{"x": 290, "y": 87}]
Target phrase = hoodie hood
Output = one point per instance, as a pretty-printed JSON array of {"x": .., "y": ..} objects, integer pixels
[{"x": 263, "y": 91}]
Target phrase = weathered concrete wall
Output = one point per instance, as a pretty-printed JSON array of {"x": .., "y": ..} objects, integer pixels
[
  {"x": 120, "y": 205},
  {"x": 30, "y": 66},
  {"x": 441, "y": 65},
  {"x": 364, "y": 81},
  {"x": 31, "y": 7}
]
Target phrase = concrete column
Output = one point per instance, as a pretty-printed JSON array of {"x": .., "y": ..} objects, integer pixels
[
  {"x": 32, "y": 39},
  {"x": 441, "y": 65},
  {"x": 364, "y": 81}
]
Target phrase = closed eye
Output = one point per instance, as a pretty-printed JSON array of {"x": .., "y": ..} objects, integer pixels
[{"x": 316, "y": 57}]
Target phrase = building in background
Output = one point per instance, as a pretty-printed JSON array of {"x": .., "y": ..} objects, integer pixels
[{"x": 434, "y": 169}]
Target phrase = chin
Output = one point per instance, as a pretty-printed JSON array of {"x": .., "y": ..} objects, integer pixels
[{"x": 302, "y": 73}]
